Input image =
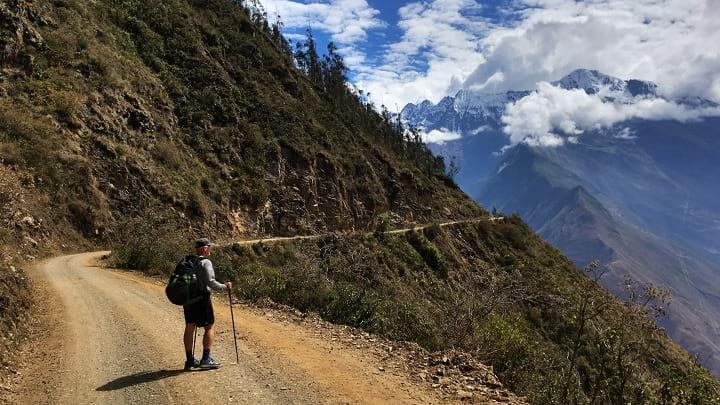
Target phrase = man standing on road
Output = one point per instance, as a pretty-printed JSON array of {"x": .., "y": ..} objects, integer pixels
[{"x": 200, "y": 313}]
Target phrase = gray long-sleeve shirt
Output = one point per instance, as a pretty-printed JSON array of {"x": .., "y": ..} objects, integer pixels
[{"x": 207, "y": 276}]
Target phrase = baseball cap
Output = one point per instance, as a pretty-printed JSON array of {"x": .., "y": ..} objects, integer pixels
[{"x": 203, "y": 242}]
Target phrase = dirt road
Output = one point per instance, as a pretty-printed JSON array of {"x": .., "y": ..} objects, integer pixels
[
  {"x": 114, "y": 338},
  {"x": 392, "y": 232}
]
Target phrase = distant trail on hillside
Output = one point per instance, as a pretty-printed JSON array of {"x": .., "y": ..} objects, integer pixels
[{"x": 392, "y": 232}]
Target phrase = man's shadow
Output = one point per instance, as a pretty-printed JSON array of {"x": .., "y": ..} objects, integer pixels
[{"x": 139, "y": 378}]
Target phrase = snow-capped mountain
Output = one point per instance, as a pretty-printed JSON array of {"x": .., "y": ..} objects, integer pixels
[
  {"x": 594, "y": 82},
  {"x": 640, "y": 195},
  {"x": 469, "y": 110},
  {"x": 591, "y": 81}
]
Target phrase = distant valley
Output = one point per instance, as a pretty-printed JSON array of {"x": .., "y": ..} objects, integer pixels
[{"x": 640, "y": 196}]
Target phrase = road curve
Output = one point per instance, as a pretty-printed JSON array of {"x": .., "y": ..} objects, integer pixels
[{"x": 114, "y": 338}]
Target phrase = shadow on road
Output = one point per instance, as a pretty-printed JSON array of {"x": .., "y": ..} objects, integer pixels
[{"x": 137, "y": 379}]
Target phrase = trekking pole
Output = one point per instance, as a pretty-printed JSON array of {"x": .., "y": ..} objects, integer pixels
[
  {"x": 237, "y": 356},
  {"x": 194, "y": 339}
]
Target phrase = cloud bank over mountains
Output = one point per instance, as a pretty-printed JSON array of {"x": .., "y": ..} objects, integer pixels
[
  {"x": 669, "y": 42},
  {"x": 438, "y": 48},
  {"x": 448, "y": 44},
  {"x": 443, "y": 46},
  {"x": 551, "y": 116}
]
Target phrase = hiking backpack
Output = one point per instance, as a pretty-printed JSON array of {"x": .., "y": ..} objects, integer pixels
[{"x": 184, "y": 285}]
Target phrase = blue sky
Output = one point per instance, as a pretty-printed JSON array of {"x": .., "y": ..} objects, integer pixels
[{"x": 409, "y": 51}]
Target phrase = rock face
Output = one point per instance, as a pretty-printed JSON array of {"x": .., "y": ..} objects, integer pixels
[{"x": 16, "y": 35}]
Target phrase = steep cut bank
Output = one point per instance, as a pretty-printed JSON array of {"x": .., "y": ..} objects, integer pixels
[{"x": 143, "y": 123}]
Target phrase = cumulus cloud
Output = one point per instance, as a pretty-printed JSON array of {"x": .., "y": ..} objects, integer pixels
[
  {"x": 671, "y": 42},
  {"x": 439, "y": 136},
  {"x": 438, "y": 49},
  {"x": 446, "y": 45},
  {"x": 551, "y": 116},
  {"x": 347, "y": 21}
]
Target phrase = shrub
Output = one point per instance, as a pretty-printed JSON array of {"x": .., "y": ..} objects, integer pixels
[
  {"x": 168, "y": 154},
  {"x": 433, "y": 231},
  {"x": 382, "y": 225},
  {"x": 403, "y": 320},
  {"x": 67, "y": 106},
  {"x": 349, "y": 304},
  {"x": 84, "y": 217},
  {"x": 150, "y": 244},
  {"x": 198, "y": 205},
  {"x": 256, "y": 281},
  {"x": 514, "y": 233},
  {"x": 505, "y": 341},
  {"x": 10, "y": 154},
  {"x": 430, "y": 253}
]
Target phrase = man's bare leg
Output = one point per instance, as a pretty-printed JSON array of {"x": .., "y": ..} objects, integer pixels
[{"x": 208, "y": 337}]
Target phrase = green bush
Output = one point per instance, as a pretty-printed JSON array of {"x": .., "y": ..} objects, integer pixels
[
  {"x": 506, "y": 341},
  {"x": 349, "y": 304},
  {"x": 149, "y": 245},
  {"x": 382, "y": 225},
  {"x": 168, "y": 154},
  {"x": 405, "y": 321},
  {"x": 10, "y": 154},
  {"x": 430, "y": 253},
  {"x": 256, "y": 281}
]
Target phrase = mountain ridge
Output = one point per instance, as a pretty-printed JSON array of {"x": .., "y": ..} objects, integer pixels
[
  {"x": 490, "y": 106},
  {"x": 638, "y": 174}
]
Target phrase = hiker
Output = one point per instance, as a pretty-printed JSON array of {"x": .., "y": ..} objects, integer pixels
[{"x": 200, "y": 313}]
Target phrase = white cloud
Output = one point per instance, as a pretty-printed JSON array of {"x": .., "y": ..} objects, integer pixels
[
  {"x": 670, "y": 42},
  {"x": 482, "y": 128},
  {"x": 551, "y": 116},
  {"x": 439, "y": 136},
  {"x": 347, "y": 21},
  {"x": 438, "y": 49},
  {"x": 446, "y": 45}
]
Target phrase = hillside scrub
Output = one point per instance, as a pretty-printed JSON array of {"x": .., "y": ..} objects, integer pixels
[
  {"x": 519, "y": 310},
  {"x": 196, "y": 111},
  {"x": 188, "y": 117}
]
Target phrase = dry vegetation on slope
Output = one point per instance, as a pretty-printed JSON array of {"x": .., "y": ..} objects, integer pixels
[{"x": 141, "y": 123}]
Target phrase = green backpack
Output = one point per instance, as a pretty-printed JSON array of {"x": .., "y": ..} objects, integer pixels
[{"x": 184, "y": 285}]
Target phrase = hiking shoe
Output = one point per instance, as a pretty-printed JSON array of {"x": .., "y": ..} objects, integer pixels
[
  {"x": 209, "y": 363},
  {"x": 192, "y": 364}
]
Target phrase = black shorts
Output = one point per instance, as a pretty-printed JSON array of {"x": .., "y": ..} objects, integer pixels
[{"x": 200, "y": 312}]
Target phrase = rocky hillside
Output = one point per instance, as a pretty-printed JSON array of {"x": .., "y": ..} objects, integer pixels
[
  {"x": 184, "y": 115},
  {"x": 140, "y": 124}
]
